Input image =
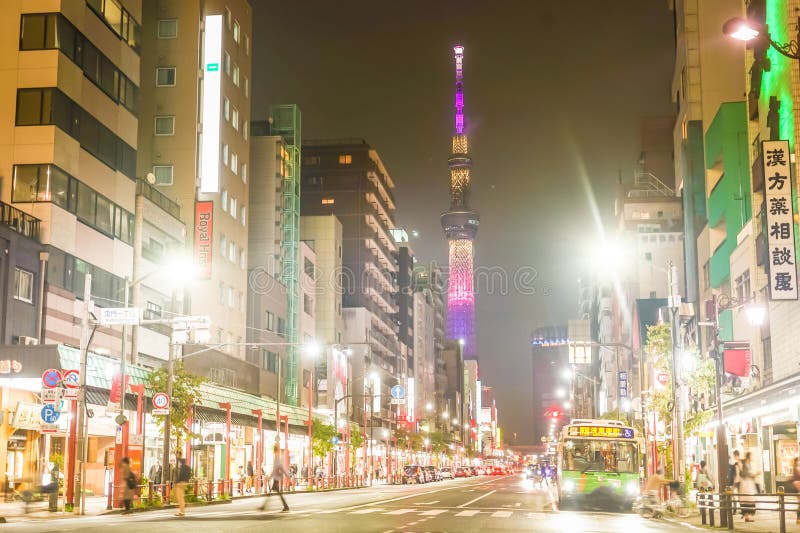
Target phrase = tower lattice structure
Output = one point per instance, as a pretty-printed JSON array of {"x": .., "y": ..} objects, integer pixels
[{"x": 460, "y": 224}]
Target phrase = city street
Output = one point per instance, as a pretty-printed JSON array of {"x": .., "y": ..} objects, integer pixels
[{"x": 478, "y": 504}]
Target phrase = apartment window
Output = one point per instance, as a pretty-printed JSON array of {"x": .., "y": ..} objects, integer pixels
[
  {"x": 224, "y": 200},
  {"x": 236, "y": 31},
  {"x": 165, "y": 125},
  {"x": 167, "y": 28},
  {"x": 235, "y": 164},
  {"x": 308, "y": 304},
  {"x": 226, "y": 108},
  {"x": 247, "y": 45},
  {"x": 23, "y": 285},
  {"x": 652, "y": 294},
  {"x": 242, "y": 259},
  {"x": 269, "y": 321},
  {"x": 328, "y": 201},
  {"x": 235, "y": 75},
  {"x": 345, "y": 159},
  {"x": 49, "y": 106},
  {"x": 153, "y": 311},
  {"x": 706, "y": 276},
  {"x": 246, "y": 87},
  {"x": 226, "y": 62},
  {"x": 281, "y": 326},
  {"x": 163, "y": 174},
  {"x": 271, "y": 362},
  {"x": 243, "y": 215},
  {"x": 244, "y": 172},
  {"x": 234, "y": 207},
  {"x": 225, "y": 154},
  {"x": 311, "y": 160},
  {"x": 228, "y": 18},
  {"x": 308, "y": 267},
  {"x": 165, "y": 77},
  {"x": 223, "y": 245},
  {"x": 232, "y": 251},
  {"x": 648, "y": 256},
  {"x": 235, "y": 119},
  {"x": 743, "y": 286},
  {"x": 119, "y": 20},
  {"x": 245, "y": 129},
  {"x": 231, "y": 297}
]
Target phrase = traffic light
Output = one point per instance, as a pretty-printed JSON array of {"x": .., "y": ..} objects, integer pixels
[{"x": 554, "y": 413}]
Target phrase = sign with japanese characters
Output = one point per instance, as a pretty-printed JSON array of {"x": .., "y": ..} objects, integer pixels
[
  {"x": 622, "y": 383},
  {"x": 780, "y": 220},
  {"x": 608, "y": 432}
]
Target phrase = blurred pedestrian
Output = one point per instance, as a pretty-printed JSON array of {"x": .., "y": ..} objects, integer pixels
[
  {"x": 703, "y": 479},
  {"x": 155, "y": 473},
  {"x": 748, "y": 488},
  {"x": 279, "y": 473},
  {"x": 249, "y": 481},
  {"x": 795, "y": 484},
  {"x": 128, "y": 484},
  {"x": 183, "y": 476}
]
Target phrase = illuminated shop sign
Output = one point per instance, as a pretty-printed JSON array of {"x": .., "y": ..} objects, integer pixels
[{"x": 610, "y": 432}]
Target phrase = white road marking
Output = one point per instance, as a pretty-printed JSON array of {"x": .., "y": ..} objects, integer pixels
[
  {"x": 427, "y": 503},
  {"x": 501, "y": 514},
  {"x": 536, "y": 516},
  {"x": 468, "y": 513},
  {"x": 402, "y": 511},
  {"x": 433, "y": 512},
  {"x": 517, "y": 504},
  {"x": 478, "y": 498},
  {"x": 367, "y": 511}
]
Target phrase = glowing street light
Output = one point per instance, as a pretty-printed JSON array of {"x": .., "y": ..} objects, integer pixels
[{"x": 749, "y": 31}]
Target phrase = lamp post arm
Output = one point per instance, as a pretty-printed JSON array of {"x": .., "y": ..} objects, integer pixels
[{"x": 790, "y": 49}]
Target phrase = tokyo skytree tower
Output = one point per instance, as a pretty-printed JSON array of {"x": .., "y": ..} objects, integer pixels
[{"x": 460, "y": 224}]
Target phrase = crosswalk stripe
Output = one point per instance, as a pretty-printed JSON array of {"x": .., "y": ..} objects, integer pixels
[
  {"x": 536, "y": 516},
  {"x": 467, "y": 513},
  {"x": 433, "y": 512},
  {"x": 367, "y": 511},
  {"x": 402, "y": 511},
  {"x": 501, "y": 514}
]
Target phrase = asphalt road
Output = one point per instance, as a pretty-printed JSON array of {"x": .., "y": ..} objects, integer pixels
[{"x": 465, "y": 505}]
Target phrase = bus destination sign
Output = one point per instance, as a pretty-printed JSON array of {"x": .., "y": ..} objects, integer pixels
[{"x": 609, "y": 432}]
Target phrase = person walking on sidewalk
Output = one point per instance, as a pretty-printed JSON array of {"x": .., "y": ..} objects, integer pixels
[
  {"x": 128, "y": 484},
  {"x": 182, "y": 477},
  {"x": 279, "y": 472},
  {"x": 747, "y": 486},
  {"x": 795, "y": 484}
]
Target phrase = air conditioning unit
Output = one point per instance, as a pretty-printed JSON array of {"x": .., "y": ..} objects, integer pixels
[{"x": 28, "y": 341}]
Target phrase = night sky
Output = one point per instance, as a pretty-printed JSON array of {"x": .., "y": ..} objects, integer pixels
[{"x": 554, "y": 94}]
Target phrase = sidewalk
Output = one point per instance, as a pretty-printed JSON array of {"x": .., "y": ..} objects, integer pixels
[
  {"x": 95, "y": 505},
  {"x": 766, "y": 522}
]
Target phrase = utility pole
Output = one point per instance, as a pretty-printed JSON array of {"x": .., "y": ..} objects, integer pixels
[
  {"x": 173, "y": 347},
  {"x": 722, "y": 439},
  {"x": 80, "y": 460},
  {"x": 678, "y": 463}
]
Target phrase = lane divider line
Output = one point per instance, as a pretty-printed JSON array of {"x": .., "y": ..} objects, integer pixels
[{"x": 478, "y": 498}]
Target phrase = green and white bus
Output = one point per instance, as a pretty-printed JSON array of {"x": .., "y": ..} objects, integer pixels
[{"x": 599, "y": 455}]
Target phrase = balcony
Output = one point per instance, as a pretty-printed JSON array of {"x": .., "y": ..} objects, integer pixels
[
  {"x": 158, "y": 198},
  {"x": 21, "y": 222}
]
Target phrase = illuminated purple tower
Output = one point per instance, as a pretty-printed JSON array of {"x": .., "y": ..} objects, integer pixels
[{"x": 460, "y": 224}]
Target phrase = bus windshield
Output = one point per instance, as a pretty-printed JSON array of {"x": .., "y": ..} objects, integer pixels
[{"x": 587, "y": 455}]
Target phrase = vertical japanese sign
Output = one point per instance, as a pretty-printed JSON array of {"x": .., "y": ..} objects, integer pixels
[
  {"x": 203, "y": 237},
  {"x": 780, "y": 220},
  {"x": 622, "y": 384}
]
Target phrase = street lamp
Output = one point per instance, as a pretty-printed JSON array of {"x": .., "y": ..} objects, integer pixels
[
  {"x": 722, "y": 303},
  {"x": 751, "y": 31}
]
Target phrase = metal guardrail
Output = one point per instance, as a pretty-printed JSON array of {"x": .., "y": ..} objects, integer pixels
[
  {"x": 713, "y": 506},
  {"x": 206, "y": 490}
]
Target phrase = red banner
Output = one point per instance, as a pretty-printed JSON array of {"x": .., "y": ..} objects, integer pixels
[
  {"x": 203, "y": 238},
  {"x": 737, "y": 362},
  {"x": 115, "y": 396}
]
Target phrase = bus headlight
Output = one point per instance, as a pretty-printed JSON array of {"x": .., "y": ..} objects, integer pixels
[
  {"x": 632, "y": 488},
  {"x": 569, "y": 485}
]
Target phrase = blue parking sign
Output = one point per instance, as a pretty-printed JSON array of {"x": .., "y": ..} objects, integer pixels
[{"x": 49, "y": 414}]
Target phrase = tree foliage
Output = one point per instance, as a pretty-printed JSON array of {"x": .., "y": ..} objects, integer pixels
[
  {"x": 322, "y": 438},
  {"x": 185, "y": 394}
]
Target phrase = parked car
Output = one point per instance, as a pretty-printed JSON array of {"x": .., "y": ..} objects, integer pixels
[
  {"x": 446, "y": 473},
  {"x": 433, "y": 474},
  {"x": 414, "y": 474},
  {"x": 462, "y": 471}
]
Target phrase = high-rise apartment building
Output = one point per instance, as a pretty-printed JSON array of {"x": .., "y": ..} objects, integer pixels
[
  {"x": 195, "y": 115},
  {"x": 347, "y": 178}
]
